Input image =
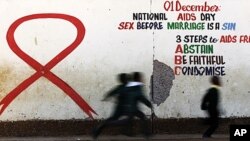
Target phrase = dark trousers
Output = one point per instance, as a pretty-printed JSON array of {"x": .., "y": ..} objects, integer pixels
[
  {"x": 213, "y": 123},
  {"x": 127, "y": 122},
  {"x": 143, "y": 121},
  {"x": 111, "y": 121}
]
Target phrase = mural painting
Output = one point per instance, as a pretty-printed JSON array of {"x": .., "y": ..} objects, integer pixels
[
  {"x": 177, "y": 44},
  {"x": 45, "y": 70}
]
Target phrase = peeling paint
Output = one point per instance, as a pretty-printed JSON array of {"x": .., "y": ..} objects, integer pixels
[{"x": 161, "y": 82}]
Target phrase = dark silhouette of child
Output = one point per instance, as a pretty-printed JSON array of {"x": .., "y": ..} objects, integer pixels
[
  {"x": 135, "y": 96},
  {"x": 120, "y": 93},
  {"x": 210, "y": 103}
]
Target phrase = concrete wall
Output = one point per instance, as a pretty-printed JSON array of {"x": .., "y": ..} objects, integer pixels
[{"x": 106, "y": 50}]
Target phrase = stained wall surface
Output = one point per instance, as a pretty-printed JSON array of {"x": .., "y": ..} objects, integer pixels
[{"x": 160, "y": 38}]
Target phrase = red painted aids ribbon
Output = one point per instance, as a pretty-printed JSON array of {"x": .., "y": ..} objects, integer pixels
[{"x": 45, "y": 70}]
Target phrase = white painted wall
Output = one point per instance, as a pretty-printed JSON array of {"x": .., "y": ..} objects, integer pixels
[{"x": 106, "y": 51}]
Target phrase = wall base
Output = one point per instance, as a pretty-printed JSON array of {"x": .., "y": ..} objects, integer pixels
[{"x": 84, "y": 127}]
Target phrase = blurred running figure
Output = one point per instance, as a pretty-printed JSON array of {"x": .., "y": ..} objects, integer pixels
[
  {"x": 210, "y": 103},
  {"x": 135, "y": 96},
  {"x": 120, "y": 93},
  {"x": 130, "y": 94}
]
